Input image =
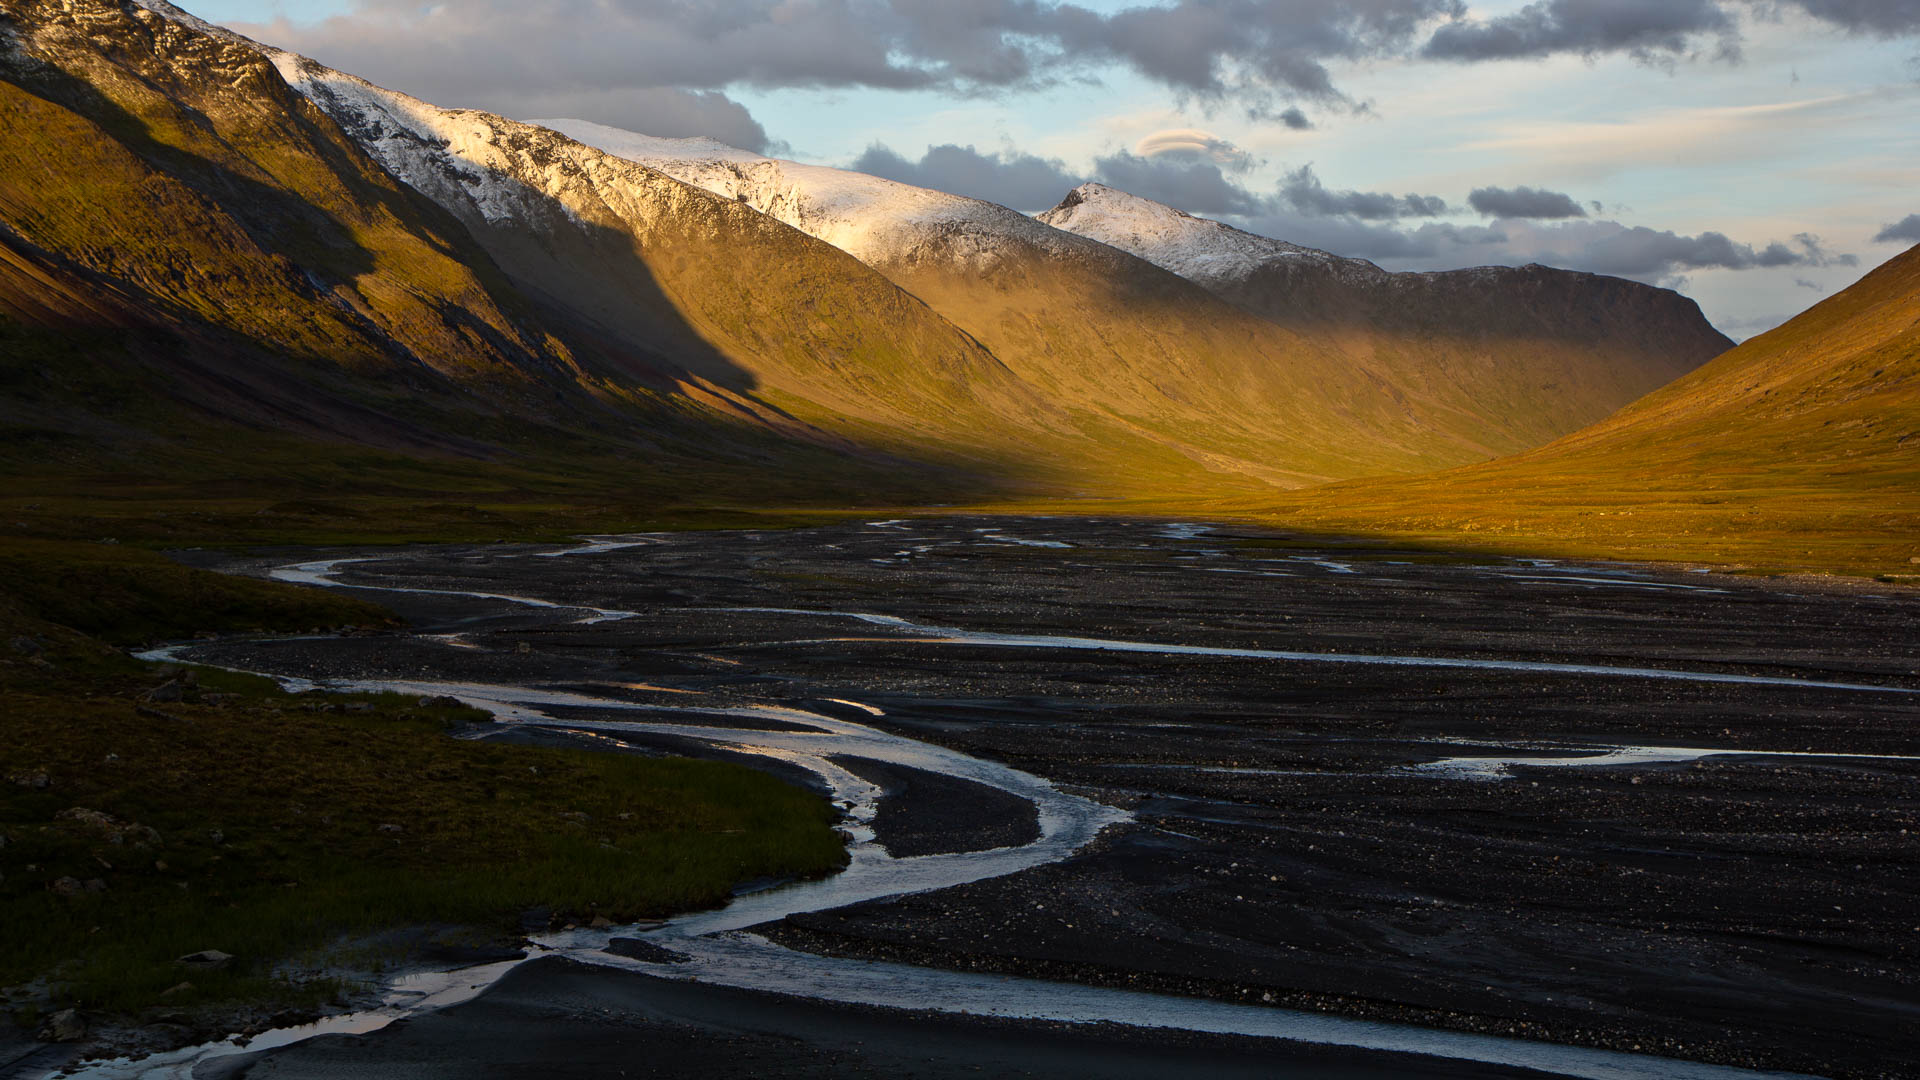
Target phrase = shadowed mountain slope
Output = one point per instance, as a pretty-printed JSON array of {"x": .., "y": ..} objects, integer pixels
[
  {"x": 198, "y": 244},
  {"x": 1799, "y": 448},
  {"x": 1531, "y": 352}
]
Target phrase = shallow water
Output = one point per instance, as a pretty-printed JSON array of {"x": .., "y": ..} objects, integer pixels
[
  {"x": 954, "y": 636},
  {"x": 721, "y": 952}
]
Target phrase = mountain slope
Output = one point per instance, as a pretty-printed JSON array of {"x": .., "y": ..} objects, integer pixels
[
  {"x": 153, "y": 178},
  {"x": 1799, "y": 448},
  {"x": 1099, "y": 331},
  {"x": 194, "y": 256},
  {"x": 1532, "y": 351}
]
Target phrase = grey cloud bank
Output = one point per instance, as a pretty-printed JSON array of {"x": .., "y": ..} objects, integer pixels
[
  {"x": 1262, "y": 53},
  {"x": 1524, "y": 202},
  {"x": 1363, "y": 224},
  {"x": 1304, "y": 192},
  {"x": 1904, "y": 231},
  {"x": 1022, "y": 181}
]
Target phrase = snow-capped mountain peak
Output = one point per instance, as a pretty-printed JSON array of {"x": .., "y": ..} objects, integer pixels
[
  {"x": 1198, "y": 249},
  {"x": 880, "y": 222}
]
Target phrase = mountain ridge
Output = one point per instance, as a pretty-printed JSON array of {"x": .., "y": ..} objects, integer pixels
[
  {"x": 1533, "y": 351},
  {"x": 1799, "y": 449}
]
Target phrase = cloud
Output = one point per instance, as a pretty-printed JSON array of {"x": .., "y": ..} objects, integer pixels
[
  {"x": 1022, "y": 181},
  {"x": 1650, "y": 30},
  {"x": 1194, "y": 145},
  {"x": 1178, "y": 174},
  {"x": 1880, "y": 18},
  {"x": 1429, "y": 244},
  {"x": 464, "y": 53},
  {"x": 1640, "y": 252},
  {"x": 1803, "y": 283},
  {"x": 1904, "y": 231},
  {"x": 1644, "y": 28},
  {"x": 1603, "y": 247},
  {"x": 665, "y": 111},
  {"x": 1196, "y": 186},
  {"x": 1524, "y": 202},
  {"x": 1304, "y": 192},
  {"x": 1294, "y": 118}
]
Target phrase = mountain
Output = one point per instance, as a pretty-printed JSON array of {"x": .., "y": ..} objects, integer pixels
[
  {"x": 1798, "y": 449},
  {"x": 199, "y": 243},
  {"x": 1534, "y": 352},
  {"x": 203, "y": 237},
  {"x": 1095, "y": 326}
]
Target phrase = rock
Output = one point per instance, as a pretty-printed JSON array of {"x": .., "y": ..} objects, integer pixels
[
  {"x": 177, "y": 989},
  {"x": 358, "y": 706},
  {"x": 206, "y": 960},
  {"x": 1915, "y": 559},
  {"x": 442, "y": 702},
  {"x": 38, "y": 781},
  {"x": 66, "y": 886},
  {"x": 67, "y": 1025},
  {"x": 636, "y": 949},
  {"x": 171, "y": 691},
  {"x": 27, "y": 646},
  {"x": 600, "y": 922},
  {"x": 442, "y": 952},
  {"x": 95, "y": 886},
  {"x": 391, "y": 828}
]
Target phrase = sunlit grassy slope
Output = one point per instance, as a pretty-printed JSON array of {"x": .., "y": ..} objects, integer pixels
[{"x": 1798, "y": 450}]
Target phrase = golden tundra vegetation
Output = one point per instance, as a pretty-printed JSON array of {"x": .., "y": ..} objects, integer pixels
[{"x": 1798, "y": 450}]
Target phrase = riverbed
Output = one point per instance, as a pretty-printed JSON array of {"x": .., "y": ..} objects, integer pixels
[{"x": 1192, "y": 790}]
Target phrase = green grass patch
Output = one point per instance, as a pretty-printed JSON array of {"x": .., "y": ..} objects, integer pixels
[
  {"x": 225, "y": 814},
  {"x": 124, "y": 595},
  {"x": 266, "y": 824}
]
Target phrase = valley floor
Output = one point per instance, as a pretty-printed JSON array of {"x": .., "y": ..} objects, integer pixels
[{"x": 1665, "y": 812}]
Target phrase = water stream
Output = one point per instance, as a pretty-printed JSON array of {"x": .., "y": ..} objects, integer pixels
[{"x": 720, "y": 949}]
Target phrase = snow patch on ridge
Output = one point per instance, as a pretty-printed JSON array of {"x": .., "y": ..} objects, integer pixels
[
  {"x": 880, "y": 222},
  {"x": 1200, "y": 250}
]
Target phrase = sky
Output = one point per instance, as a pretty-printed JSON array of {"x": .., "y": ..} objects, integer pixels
[{"x": 1756, "y": 155}]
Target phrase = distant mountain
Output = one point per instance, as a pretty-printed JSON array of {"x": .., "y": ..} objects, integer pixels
[
  {"x": 1130, "y": 349},
  {"x": 1534, "y": 352},
  {"x": 1801, "y": 447}
]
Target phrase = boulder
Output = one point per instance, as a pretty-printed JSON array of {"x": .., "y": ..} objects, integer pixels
[
  {"x": 637, "y": 949},
  {"x": 167, "y": 691},
  {"x": 206, "y": 960},
  {"x": 67, "y": 1025}
]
